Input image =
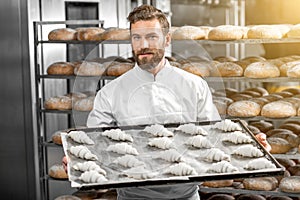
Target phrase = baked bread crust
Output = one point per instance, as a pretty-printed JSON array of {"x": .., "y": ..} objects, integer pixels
[
  {"x": 64, "y": 34},
  {"x": 264, "y": 32},
  {"x": 227, "y": 69},
  {"x": 115, "y": 34},
  {"x": 58, "y": 103},
  {"x": 227, "y": 32},
  {"x": 89, "y": 33},
  {"x": 243, "y": 108},
  {"x": 290, "y": 184},
  {"x": 117, "y": 68},
  {"x": 278, "y": 109},
  {"x": 61, "y": 68},
  {"x": 261, "y": 70},
  {"x": 57, "y": 171},
  {"x": 189, "y": 33},
  {"x": 261, "y": 183}
]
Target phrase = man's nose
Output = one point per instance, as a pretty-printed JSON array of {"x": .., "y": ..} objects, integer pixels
[{"x": 145, "y": 43}]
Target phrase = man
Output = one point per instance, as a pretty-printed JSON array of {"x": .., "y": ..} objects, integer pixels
[{"x": 153, "y": 92}]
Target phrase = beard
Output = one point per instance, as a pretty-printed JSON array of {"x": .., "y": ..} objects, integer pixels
[{"x": 149, "y": 63}]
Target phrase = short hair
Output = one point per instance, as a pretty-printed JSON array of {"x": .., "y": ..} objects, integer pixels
[{"x": 147, "y": 12}]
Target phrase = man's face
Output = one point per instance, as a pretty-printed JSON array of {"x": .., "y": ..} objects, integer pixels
[{"x": 148, "y": 43}]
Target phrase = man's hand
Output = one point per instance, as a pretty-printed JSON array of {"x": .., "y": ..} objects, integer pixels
[
  {"x": 65, "y": 163},
  {"x": 262, "y": 138}
]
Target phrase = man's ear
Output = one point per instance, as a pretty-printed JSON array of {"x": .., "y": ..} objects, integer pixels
[{"x": 168, "y": 39}]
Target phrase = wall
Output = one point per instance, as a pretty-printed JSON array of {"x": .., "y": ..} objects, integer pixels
[{"x": 16, "y": 139}]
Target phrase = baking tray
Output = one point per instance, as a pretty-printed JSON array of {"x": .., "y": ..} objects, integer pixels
[{"x": 193, "y": 156}]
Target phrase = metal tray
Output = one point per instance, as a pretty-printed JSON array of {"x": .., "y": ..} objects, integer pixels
[{"x": 194, "y": 157}]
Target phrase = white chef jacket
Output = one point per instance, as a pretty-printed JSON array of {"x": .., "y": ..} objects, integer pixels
[{"x": 139, "y": 97}]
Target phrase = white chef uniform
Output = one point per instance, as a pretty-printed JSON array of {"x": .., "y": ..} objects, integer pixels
[{"x": 139, "y": 97}]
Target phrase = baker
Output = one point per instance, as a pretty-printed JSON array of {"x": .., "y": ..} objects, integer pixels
[{"x": 153, "y": 92}]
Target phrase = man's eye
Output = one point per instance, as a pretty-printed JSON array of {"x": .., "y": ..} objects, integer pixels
[
  {"x": 153, "y": 37},
  {"x": 136, "y": 37}
]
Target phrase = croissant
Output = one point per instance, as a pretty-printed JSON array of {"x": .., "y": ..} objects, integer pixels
[
  {"x": 92, "y": 177},
  {"x": 122, "y": 148},
  {"x": 222, "y": 167},
  {"x": 82, "y": 152},
  {"x": 216, "y": 154},
  {"x": 117, "y": 134},
  {"x": 88, "y": 166},
  {"x": 248, "y": 151},
  {"x": 128, "y": 161},
  {"x": 140, "y": 173},
  {"x": 170, "y": 155},
  {"x": 192, "y": 129},
  {"x": 181, "y": 169},
  {"x": 227, "y": 125},
  {"x": 238, "y": 137},
  {"x": 199, "y": 141},
  {"x": 260, "y": 163},
  {"x": 162, "y": 143},
  {"x": 80, "y": 137},
  {"x": 158, "y": 130}
]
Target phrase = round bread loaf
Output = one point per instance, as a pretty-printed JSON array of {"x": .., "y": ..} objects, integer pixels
[
  {"x": 218, "y": 183},
  {"x": 273, "y": 97},
  {"x": 286, "y": 162},
  {"x": 290, "y": 184},
  {"x": 294, "y": 32},
  {"x": 295, "y": 128},
  {"x": 243, "y": 108},
  {"x": 241, "y": 63},
  {"x": 263, "y": 126},
  {"x": 85, "y": 104},
  {"x": 292, "y": 122},
  {"x": 64, "y": 34},
  {"x": 88, "y": 68},
  {"x": 61, "y": 68},
  {"x": 286, "y": 66},
  {"x": 189, "y": 33},
  {"x": 227, "y": 69},
  {"x": 294, "y": 71},
  {"x": 200, "y": 69},
  {"x": 278, "y": 109},
  {"x": 89, "y": 33},
  {"x": 279, "y": 145},
  {"x": 294, "y": 170},
  {"x": 284, "y": 94},
  {"x": 221, "y": 197},
  {"x": 250, "y": 197},
  {"x": 86, "y": 194},
  {"x": 58, "y": 103},
  {"x": 227, "y": 32},
  {"x": 294, "y": 101},
  {"x": 264, "y": 32},
  {"x": 253, "y": 129},
  {"x": 115, "y": 34},
  {"x": 240, "y": 97},
  {"x": 251, "y": 93},
  {"x": 261, "y": 70},
  {"x": 224, "y": 99},
  {"x": 57, "y": 171},
  {"x": 261, "y": 90},
  {"x": 117, "y": 69},
  {"x": 277, "y": 62},
  {"x": 279, "y": 198},
  {"x": 56, "y": 138},
  {"x": 261, "y": 183},
  {"x": 198, "y": 59},
  {"x": 292, "y": 138},
  {"x": 277, "y": 130},
  {"x": 295, "y": 91}
]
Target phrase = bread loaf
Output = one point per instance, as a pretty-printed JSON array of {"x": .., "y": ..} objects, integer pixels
[
  {"x": 64, "y": 34},
  {"x": 56, "y": 138},
  {"x": 227, "y": 32},
  {"x": 264, "y": 32},
  {"x": 286, "y": 162},
  {"x": 200, "y": 69},
  {"x": 277, "y": 130},
  {"x": 261, "y": 183},
  {"x": 252, "y": 59},
  {"x": 278, "y": 109},
  {"x": 286, "y": 66},
  {"x": 261, "y": 101},
  {"x": 243, "y": 108},
  {"x": 58, "y": 103},
  {"x": 85, "y": 104},
  {"x": 294, "y": 32},
  {"x": 261, "y": 90},
  {"x": 189, "y": 33},
  {"x": 57, "y": 171},
  {"x": 117, "y": 68},
  {"x": 61, "y": 68},
  {"x": 279, "y": 145},
  {"x": 218, "y": 183},
  {"x": 89, "y": 33},
  {"x": 290, "y": 184},
  {"x": 261, "y": 70},
  {"x": 292, "y": 138},
  {"x": 221, "y": 197},
  {"x": 88, "y": 68},
  {"x": 115, "y": 34},
  {"x": 294, "y": 71},
  {"x": 295, "y": 128},
  {"x": 227, "y": 69},
  {"x": 263, "y": 126},
  {"x": 225, "y": 59},
  {"x": 250, "y": 197}
]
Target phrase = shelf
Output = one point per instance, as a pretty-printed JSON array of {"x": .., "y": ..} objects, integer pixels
[
  {"x": 243, "y": 191},
  {"x": 257, "y": 118},
  {"x": 287, "y": 156},
  {"x": 75, "y": 77},
  {"x": 84, "y": 42}
]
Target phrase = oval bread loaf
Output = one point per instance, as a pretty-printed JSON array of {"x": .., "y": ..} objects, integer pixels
[
  {"x": 261, "y": 70},
  {"x": 243, "y": 108},
  {"x": 290, "y": 184},
  {"x": 278, "y": 109},
  {"x": 63, "y": 34}
]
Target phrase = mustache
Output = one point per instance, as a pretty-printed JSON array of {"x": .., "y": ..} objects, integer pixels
[{"x": 146, "y": 51}]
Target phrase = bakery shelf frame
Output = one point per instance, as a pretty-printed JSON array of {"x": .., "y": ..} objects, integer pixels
[{"x": 39, "y": 64}]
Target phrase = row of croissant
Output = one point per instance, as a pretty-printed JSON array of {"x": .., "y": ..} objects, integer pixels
[{"x": 222, "y": 32}]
